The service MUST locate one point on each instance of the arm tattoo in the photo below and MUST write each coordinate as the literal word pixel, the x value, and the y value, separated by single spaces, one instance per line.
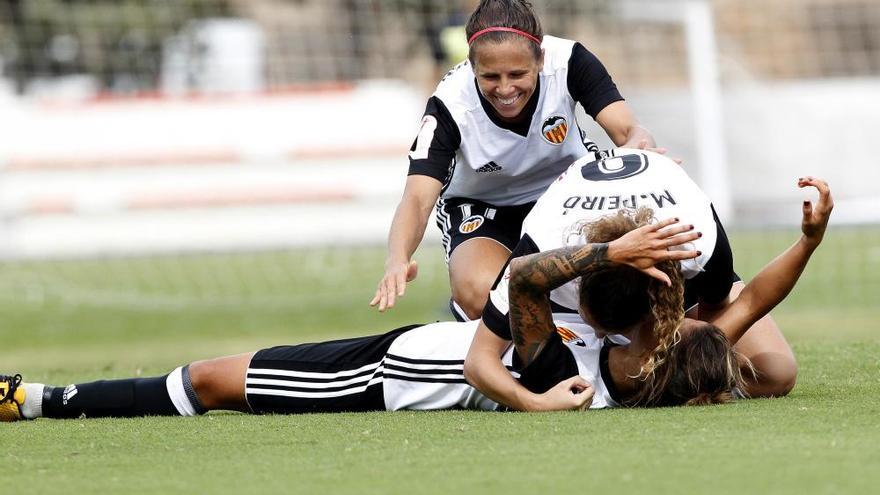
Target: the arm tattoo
pixel 531 280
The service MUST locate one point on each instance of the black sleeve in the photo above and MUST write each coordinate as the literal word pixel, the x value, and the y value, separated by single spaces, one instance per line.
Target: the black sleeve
pixel 713 284
pixel 496 316
pixel 444 142
pixel 589 82
pixel 496 321
pixel 553 364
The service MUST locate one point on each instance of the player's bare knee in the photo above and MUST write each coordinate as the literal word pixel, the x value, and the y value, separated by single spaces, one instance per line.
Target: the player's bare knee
pixel 775 376
pixel 782 379
pixel 471 297
pixel 471 309
pixel 204 376
pixel 773 386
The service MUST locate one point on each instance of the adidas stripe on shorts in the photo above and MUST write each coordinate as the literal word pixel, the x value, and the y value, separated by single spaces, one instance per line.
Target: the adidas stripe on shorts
pixel 415 367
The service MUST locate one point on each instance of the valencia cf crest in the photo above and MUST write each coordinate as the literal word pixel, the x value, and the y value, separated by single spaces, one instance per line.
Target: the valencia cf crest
pixel 470 224
pixel 555 129
pixel 570 337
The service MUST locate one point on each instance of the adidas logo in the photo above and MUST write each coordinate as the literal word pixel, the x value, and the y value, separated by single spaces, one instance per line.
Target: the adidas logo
pixel 488 168
pixel 69 392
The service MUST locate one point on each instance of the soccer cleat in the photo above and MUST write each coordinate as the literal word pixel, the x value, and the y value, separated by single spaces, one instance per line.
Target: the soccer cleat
pixel 11 398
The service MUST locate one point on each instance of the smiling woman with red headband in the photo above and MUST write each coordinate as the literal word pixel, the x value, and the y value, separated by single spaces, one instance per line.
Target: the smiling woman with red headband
pixel 498 130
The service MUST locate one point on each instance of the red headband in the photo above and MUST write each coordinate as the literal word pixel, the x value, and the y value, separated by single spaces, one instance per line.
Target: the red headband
pixel 503 29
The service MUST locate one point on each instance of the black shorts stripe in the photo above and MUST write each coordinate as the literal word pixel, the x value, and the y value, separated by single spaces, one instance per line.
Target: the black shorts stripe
pixel 294 388
pixel 404 378
pixel 310 379
pixel 424 371
pixel 426 361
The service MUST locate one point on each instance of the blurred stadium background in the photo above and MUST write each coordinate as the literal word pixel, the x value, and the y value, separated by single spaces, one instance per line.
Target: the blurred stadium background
pixel 242 157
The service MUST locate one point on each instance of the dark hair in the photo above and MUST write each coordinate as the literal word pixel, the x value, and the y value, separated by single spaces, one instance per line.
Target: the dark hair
pixel 700 369
pixel 616 297
pixel 517 14
pixel 638 296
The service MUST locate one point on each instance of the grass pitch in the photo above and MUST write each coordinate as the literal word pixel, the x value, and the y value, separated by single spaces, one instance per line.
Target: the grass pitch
pixel 78 321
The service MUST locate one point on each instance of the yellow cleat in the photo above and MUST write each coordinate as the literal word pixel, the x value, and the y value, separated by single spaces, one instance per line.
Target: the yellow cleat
pixel 11 398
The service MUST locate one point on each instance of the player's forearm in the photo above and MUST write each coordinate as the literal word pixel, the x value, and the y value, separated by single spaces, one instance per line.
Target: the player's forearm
pixel 407 229
pixel 542 272
pixel 485 372
pixel 778 278
pixel 621 125
pixel 531 280
pixel 767 289
pixel 635 135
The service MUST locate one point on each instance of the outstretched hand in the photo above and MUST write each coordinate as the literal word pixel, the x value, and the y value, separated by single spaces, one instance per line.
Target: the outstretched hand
pixel 815 219
pixel 648 245
pixel 393 284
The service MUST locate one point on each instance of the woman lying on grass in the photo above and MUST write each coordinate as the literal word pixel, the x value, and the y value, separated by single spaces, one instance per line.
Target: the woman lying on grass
pixel 623 301
pixel 592 186
pixel 420 367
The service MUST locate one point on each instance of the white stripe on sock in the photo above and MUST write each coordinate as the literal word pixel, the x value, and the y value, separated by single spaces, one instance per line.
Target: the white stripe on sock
pixel 174 385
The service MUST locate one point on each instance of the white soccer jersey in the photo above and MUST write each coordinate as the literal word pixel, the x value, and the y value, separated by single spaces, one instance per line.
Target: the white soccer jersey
pixel 600 184
pixel 422 369
pixel 590 355
pixel 591 189
pixel 417 367
pixel 499 165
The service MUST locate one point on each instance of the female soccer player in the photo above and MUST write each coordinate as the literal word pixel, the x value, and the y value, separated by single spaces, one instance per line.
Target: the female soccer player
pixel 624 302
pixel 606 181
pixel 420 367
pixel 417 367
pixel 498 130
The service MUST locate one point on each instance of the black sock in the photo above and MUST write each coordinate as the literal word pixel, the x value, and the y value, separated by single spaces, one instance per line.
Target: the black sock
pixel 110 398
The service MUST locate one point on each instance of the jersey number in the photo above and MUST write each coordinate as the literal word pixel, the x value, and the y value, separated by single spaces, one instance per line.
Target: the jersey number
pixel 615 167
pixel 424 139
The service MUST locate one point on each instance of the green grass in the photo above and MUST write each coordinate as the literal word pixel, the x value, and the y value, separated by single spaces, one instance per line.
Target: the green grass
pixel 78 321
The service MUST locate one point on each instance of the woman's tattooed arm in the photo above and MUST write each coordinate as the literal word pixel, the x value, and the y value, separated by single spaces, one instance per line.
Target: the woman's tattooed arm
pixel 533 277
pixel 531 280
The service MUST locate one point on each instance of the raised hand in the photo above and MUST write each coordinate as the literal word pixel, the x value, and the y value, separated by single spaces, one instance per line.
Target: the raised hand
pixel 646 246
pixel 815 219
pixel 770 286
